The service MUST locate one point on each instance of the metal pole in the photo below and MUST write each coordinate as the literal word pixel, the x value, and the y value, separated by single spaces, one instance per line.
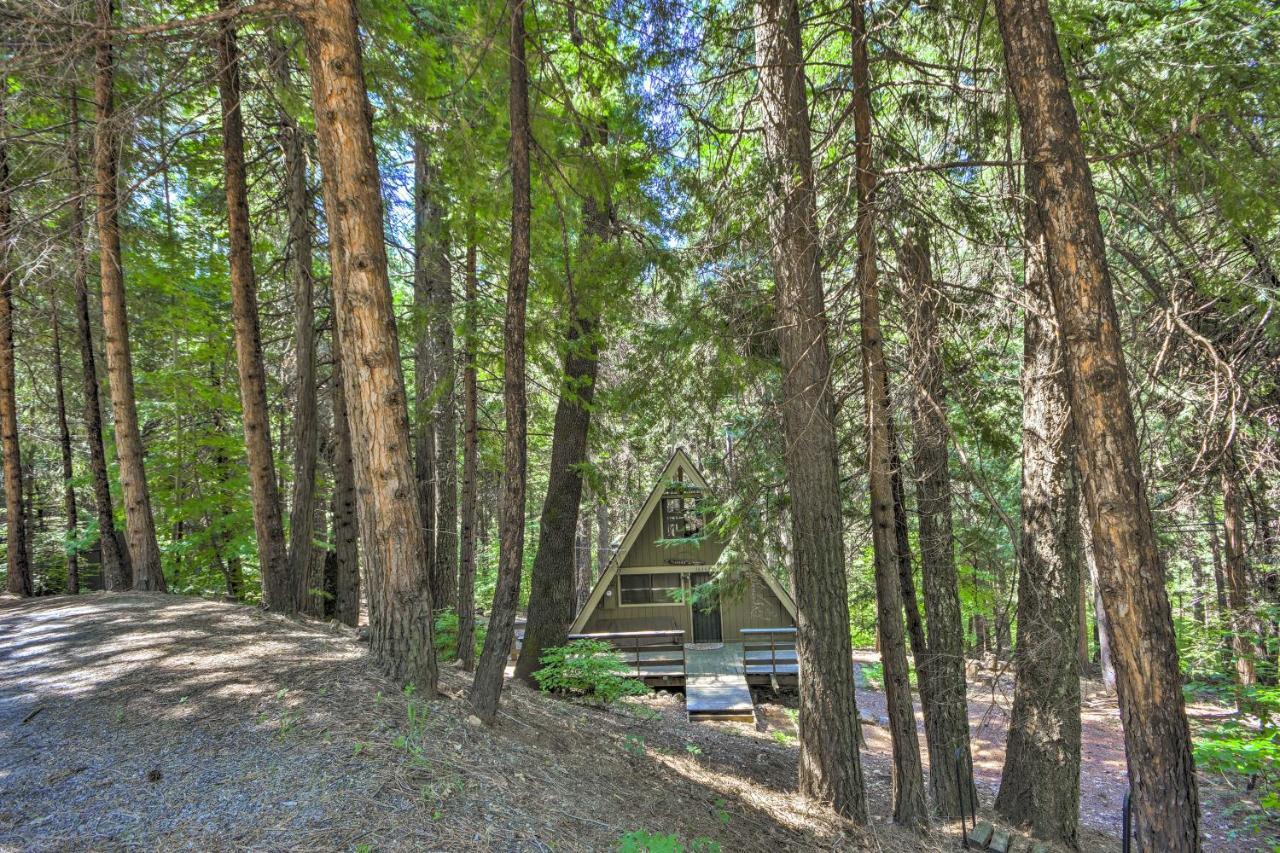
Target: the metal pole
pixel 1127 821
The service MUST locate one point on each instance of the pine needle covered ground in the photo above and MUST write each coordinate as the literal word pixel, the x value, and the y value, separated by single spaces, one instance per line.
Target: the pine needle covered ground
pixel 153 722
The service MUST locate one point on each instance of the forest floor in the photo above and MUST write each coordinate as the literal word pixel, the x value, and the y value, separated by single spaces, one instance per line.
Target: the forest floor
pixel 145 721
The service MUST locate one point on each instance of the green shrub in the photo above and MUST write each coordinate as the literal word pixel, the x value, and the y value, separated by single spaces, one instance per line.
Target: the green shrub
pixel 1250 753
pixel 589 669
pixel 446 635
pixel 642 841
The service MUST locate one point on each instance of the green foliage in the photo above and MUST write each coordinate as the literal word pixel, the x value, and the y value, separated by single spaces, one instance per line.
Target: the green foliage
pixel 643 841
pixel 446 634
pixel 1247 751
pixel 588 669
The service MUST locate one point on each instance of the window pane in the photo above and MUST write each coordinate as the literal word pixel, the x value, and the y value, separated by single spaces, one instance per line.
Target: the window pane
pixel 636 589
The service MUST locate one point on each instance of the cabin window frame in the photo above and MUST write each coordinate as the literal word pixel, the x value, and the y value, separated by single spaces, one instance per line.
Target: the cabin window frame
pixel 684 506
pixel 666 602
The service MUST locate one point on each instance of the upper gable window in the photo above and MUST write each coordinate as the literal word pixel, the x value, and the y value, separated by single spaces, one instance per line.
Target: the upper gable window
pixel 681 514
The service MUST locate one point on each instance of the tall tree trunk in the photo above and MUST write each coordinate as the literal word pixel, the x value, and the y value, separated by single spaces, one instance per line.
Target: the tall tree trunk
pixel 470 458
pixel 144 550
pixel 306 434
pixel 346 550
pixel 1243 627
pixel 19 578
pixel 430 267
pixel 444 568
pixel 1166 801
pixel 830 768
pixel 552 584
pixel 604 537
pixel 369 347
pixel 114 574
pixel 497 642
pixel 582 562
pixel 946 709
pixel 909 807
pixel 1040 786
pixel 279 592
pixel 64 443
pixel 1197 585
pixel 1106 665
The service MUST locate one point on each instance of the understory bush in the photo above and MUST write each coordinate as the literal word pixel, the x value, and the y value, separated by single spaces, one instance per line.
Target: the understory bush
pixel 642 841
pixel 588 669
pixel 1248 753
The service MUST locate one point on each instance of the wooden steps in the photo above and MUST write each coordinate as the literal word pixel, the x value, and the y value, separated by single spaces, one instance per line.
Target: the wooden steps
pixel 715 686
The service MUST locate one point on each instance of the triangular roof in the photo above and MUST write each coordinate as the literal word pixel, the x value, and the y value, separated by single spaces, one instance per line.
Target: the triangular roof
pixel 679 462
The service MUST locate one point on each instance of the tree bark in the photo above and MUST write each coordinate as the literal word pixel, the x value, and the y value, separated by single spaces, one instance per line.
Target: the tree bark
pixel 909 807
pixel 552 583
pixel 369 347
pixel 470 459
pixel 279 591
pixel 430 267
pixel 1166 803
pixel 64 444
pixel 1243 627
pixel 346 549
pixel 306 434
pixel 1040 785
pixel 115 577
pixel 604 537
pixel 19 579
pixel 497 642
pixel 946 709
pixel 144 550
pixel 830 767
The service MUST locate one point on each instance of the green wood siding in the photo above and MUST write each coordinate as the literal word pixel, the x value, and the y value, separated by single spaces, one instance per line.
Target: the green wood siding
pixel 755 606
pixel 646 551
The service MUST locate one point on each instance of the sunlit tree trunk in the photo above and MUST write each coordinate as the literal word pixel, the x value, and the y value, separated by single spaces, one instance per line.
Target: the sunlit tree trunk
pixel 279 591
pixel 431 269
pixel 830 768
pixel 1040 785
pixel 144 550
pixel 497 642
pixel 369 347
pixel 1166 803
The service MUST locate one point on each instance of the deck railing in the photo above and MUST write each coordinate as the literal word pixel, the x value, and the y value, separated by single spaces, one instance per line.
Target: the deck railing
pixel 779 639
pixel 655 642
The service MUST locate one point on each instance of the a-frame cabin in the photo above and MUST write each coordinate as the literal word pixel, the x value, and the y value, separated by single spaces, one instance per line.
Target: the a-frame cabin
pixel 663 578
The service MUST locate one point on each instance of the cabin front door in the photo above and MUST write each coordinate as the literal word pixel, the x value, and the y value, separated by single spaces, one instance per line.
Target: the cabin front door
pixel 706 613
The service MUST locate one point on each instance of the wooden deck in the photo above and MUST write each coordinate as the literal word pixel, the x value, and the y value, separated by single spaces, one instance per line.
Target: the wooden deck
pixel 716 684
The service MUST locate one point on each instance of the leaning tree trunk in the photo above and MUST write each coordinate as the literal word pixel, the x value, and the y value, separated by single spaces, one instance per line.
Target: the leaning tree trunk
pixel 909 807
pixel 306 433
pixel 144 550
pixel 64 444
pixel 497 642
pixel 470 459
pixel 1166 801
pixel 553 582
pixel 19 579
pixel 369 348
pixel 946 710
pixel 279 592
pixel 830 768
pixel 346 550
pixel 1040 786
pixel 114 574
